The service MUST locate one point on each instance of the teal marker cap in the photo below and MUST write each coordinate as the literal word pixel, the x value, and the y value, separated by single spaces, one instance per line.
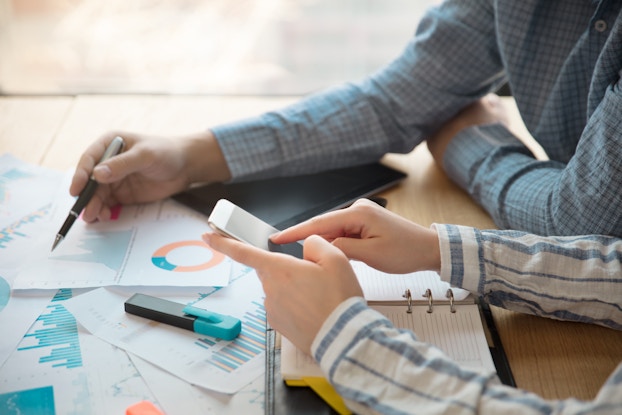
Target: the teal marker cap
pixel 214 324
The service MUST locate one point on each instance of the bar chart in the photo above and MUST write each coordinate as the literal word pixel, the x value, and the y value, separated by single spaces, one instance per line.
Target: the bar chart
pixel 56 332
pixel 249 344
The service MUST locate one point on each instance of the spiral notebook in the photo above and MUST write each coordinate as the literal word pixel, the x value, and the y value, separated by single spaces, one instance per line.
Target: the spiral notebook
pixel 447 317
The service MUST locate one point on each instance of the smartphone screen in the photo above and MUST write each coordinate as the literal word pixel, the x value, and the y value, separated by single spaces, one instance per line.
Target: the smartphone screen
pixel 235 222
pixel 294 249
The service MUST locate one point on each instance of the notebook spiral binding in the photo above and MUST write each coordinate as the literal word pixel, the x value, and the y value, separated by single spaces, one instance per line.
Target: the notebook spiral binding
pixel 428 294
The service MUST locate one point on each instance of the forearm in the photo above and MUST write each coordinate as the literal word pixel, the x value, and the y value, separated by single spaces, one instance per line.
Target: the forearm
pixel 566 278
pixel 204 160
pixel 391 111
pixel 580 197
pixel 335 128
pixel 379 369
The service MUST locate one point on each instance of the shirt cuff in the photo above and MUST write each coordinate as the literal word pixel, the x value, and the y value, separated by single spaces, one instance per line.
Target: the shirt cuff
pixel 471 145
pixel 483 160
pixel 249 147
pixel 461 257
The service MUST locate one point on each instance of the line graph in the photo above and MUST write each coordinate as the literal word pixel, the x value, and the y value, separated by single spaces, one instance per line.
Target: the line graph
pixel 9 177
pixel 108 249
pixel 8 233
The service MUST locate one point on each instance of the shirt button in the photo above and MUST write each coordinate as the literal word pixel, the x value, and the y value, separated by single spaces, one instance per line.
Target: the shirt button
pixel 600 26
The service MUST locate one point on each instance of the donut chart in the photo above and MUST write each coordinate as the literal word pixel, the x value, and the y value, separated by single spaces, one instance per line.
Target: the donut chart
pixel 159 257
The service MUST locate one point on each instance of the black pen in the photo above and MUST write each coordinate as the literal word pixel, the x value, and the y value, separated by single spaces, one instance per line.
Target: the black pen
pixel 114 148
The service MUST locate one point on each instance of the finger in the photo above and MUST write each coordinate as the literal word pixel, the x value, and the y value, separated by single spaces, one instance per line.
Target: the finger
pixel 88 161
pixel 78 181
pixel 99 206
pixel 343 222
pixel 318 250
pixel 120 166
pixel 316 225
pixel 240 252
pixel 334 262
pixel 94 210
pixel 85 166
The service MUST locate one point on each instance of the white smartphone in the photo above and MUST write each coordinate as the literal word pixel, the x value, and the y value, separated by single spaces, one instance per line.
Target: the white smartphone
pixel 234 222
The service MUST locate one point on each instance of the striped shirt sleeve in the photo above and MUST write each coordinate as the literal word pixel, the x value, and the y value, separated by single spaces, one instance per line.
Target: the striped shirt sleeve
pixel 576 278
pixel 378 368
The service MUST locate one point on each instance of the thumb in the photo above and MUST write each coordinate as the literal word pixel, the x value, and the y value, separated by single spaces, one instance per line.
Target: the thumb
pixel 318 249
pixel 102 173
pixel 118 167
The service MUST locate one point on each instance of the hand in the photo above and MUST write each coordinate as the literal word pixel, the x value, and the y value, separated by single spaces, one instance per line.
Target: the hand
pixel 488 110
pixel 148 169
pixel 374 235
pixel 300 294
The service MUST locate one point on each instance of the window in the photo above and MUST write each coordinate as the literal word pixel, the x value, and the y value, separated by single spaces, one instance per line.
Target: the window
pixel 271 47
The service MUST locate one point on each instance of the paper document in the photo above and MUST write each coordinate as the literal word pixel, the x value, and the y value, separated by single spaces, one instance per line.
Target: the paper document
pixel 380 286
pixel 177 397
pixel 157 244
pixel 26 194
pixel 223 366
pixel 59 368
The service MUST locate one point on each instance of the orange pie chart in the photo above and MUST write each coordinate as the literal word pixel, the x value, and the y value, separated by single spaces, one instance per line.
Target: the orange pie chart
pixel 159 257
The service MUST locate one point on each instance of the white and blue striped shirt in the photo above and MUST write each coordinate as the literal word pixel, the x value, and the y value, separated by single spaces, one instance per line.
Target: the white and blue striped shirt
pixel 377 368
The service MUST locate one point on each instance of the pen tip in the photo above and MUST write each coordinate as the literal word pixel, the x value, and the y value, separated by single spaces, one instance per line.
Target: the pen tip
pixel 56 241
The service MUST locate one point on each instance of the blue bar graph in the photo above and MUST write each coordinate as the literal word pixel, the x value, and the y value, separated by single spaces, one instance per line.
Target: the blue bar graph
pixel 250 343
pixel 58 332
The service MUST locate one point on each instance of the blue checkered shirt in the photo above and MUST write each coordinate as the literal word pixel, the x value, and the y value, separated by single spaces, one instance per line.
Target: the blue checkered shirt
pixel 562 61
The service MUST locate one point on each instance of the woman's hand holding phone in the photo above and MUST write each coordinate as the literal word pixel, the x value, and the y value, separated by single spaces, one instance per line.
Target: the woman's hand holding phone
pixel 376 236
pixel 300 294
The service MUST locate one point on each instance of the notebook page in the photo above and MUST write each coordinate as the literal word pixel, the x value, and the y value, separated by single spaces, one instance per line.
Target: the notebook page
pixel 460 335
pixel 381 286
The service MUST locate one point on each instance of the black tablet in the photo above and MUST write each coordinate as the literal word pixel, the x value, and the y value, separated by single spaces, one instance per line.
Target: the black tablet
pixel 285 201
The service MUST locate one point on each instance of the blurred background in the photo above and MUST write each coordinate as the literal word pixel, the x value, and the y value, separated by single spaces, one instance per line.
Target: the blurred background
pixel 230 47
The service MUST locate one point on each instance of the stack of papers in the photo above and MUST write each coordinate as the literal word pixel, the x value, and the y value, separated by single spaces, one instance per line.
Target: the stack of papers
pixel 68 346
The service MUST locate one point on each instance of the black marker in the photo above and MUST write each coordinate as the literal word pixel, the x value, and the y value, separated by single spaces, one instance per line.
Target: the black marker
pixel 186 317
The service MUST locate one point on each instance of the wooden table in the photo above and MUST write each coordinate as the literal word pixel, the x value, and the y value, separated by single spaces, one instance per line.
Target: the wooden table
pixel 551 358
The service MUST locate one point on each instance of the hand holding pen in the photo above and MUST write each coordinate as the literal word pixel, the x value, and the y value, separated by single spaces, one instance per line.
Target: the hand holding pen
pixel 149 169
pixel 114 148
